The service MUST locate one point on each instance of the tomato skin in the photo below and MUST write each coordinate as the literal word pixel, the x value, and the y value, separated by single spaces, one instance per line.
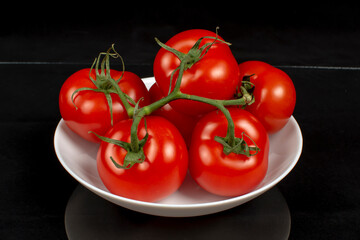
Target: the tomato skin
pixel 274 93
pixel 163 170
pixel 214 76
pixel 183 122
pixel 93 111
pixel 233 174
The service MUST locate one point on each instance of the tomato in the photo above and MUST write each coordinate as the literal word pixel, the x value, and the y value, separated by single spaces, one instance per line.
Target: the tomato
pixel 214 76
pixel 163 169
pixel 232 174
pixel 184 123
pixel 92 112
pixel 274 93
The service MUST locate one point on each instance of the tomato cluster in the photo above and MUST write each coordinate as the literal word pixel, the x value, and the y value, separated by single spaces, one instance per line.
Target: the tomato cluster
pixel 186 122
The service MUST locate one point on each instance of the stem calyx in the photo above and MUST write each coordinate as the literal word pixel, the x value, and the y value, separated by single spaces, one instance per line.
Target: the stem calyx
pixel 132 157
pixel 135 152
pixel 105 84
pixel 246 91
pixel 239 146
pixel 195 54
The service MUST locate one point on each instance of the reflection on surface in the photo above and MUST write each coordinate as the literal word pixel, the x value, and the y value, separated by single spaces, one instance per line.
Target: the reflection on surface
pixel 89 217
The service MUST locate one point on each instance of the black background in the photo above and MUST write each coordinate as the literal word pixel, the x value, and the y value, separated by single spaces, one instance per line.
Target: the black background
pixel 317 45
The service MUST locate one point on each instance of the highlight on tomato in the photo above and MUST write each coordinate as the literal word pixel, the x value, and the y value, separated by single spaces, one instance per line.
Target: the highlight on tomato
pixel 212 73
pixel 274 94
pixel 159 174
pixel 229 174
pixel 89 102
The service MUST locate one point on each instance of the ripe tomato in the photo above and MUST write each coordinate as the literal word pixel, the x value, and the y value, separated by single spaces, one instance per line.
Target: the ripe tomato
pixel 184 123
pixel 214 76
pixel 232 174
pixel 274 93
pixel 163 169
pixel 92 113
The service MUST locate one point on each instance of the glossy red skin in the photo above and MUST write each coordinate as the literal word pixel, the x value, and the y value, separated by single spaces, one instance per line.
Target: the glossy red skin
pixel 233 174
pixel 163 170
pixel 93 111
pixel 183 122
pixel 214 76
pixel 275 94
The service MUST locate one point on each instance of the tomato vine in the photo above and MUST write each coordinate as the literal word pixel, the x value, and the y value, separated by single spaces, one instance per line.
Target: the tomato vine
pixel 135 154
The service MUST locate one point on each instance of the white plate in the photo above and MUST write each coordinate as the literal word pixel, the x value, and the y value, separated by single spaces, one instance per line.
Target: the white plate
pixel 78 157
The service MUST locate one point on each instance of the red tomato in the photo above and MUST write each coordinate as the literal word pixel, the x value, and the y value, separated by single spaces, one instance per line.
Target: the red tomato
pixel 274 93
pixel 161 173
pixel 184 123
pixel 232 174
pixel 214 76
pixel 93 112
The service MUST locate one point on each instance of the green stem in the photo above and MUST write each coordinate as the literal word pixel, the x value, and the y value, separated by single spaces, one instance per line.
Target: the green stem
pixel 134 142
pixel 230 142
pixel 179 95
pixel 129 109
pixel 220 104
pixel 230 136
pixel 178 80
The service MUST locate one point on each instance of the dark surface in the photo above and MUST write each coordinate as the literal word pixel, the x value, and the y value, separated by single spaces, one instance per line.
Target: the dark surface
pixel 318 46
pixel 88 216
